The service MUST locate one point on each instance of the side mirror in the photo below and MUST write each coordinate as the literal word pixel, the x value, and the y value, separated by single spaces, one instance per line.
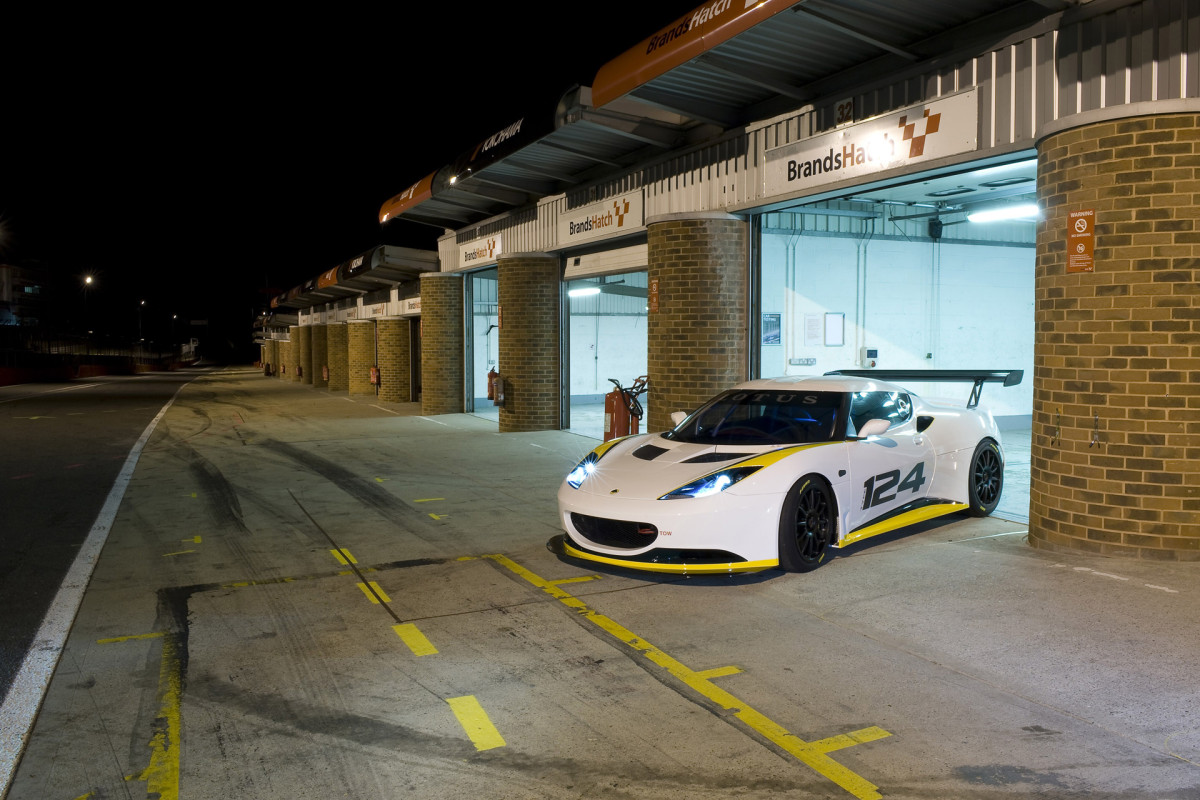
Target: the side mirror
pixel 678 417
pixel 874 427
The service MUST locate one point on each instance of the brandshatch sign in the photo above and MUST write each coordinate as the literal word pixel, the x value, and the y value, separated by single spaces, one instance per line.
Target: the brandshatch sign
pixel 921 133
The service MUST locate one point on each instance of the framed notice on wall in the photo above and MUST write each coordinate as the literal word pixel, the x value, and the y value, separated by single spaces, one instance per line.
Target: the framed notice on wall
pixel 835 328
pixel 771 329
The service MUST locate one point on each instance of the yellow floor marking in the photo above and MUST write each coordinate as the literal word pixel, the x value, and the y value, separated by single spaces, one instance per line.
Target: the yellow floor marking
pixel 380 480
pixel 374 593
pixel 475 722
pixel 129 638
pixel 580 579
pixel 439 516
pixel 416 641
pixel 161 776
pixel 344 557
pixel 193 540
pixel 178 553
pixel 811 753
pixel 428 499
pixel 719 672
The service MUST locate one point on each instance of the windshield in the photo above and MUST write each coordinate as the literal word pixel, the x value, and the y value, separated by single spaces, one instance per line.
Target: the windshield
pixel 764 418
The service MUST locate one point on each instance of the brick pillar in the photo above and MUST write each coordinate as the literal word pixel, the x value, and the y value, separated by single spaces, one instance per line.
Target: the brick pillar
pixel 337 340
pixel 320 357
pixel 361 355
pixel 395 368
pixel 1116 395
pixel 304 335
pixel 294 362
pixel 271 354
pixel 697 339
pixel 442 343
pixel 286 368
pixel 528 290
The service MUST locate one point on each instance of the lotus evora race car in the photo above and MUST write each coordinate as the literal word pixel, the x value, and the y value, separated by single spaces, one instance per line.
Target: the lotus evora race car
pixel 772 473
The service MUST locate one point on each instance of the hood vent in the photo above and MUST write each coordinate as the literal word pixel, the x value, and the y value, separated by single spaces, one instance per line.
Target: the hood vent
pixel 711 458
pixel 649 452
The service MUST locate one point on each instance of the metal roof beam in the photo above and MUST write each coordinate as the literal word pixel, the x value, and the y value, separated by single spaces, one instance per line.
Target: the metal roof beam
pixel 629 128
pixel 855 33
pixel 687 105
pixel 584 155
pixel 529 186
pixel 773 80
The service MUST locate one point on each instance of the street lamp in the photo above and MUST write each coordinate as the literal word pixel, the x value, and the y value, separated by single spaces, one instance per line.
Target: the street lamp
pixel 140 306
pixel 88 280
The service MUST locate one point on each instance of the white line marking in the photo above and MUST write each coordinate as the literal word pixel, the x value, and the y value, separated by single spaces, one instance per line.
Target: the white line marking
pixel 50 391
pixel 1161 588
pixel 388 410
pixel 33 679
pixel 427 419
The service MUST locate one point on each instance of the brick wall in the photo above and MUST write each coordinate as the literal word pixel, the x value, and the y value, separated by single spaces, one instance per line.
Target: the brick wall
pixel 528 293
pixel 286 367
pixel 320 351
pixel 696 342
pixel 271 354
pixel 395 369
pixel 361 356
pixel 294 362
pixel 1116 408
pixel 337 343
pixel 304 336
pixel 441 323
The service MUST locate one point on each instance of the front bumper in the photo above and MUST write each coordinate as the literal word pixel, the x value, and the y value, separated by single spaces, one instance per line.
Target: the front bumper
pixel 719 534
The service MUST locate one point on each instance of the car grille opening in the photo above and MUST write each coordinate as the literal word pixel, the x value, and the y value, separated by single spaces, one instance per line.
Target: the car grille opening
pixel 615 532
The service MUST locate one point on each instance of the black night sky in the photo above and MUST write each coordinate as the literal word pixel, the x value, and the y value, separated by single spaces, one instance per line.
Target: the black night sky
pixel 200 161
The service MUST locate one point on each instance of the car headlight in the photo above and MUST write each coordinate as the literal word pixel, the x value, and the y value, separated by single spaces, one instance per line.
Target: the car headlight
pixel 584 468
pixel 713 483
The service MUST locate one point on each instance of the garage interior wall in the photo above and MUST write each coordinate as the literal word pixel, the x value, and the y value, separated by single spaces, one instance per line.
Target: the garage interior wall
pixel 607 340
pixel 922 304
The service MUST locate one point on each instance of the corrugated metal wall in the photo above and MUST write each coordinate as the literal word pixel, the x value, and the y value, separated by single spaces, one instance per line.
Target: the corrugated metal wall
pixel 1115 64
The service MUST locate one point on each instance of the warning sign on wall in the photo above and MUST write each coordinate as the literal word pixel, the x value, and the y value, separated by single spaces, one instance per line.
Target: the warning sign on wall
pixel 1081 241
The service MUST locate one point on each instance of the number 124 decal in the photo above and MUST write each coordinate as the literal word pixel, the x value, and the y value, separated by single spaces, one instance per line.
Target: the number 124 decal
pixel 884 487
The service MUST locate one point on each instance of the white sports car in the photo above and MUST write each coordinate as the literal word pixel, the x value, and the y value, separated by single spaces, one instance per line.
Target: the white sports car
pixel 774 472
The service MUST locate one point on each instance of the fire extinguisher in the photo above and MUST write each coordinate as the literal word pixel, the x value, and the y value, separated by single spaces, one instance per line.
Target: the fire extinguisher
pixel 622 409
pixel 492 376
pixel 374 376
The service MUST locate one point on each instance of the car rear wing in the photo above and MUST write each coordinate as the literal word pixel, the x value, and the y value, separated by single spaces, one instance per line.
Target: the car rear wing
pixel 1008 377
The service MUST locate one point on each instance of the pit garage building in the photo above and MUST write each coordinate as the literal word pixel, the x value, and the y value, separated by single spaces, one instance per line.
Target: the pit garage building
pixel 798 186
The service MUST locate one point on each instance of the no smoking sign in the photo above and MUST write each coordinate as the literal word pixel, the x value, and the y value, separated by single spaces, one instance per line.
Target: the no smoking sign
pixel 1081 241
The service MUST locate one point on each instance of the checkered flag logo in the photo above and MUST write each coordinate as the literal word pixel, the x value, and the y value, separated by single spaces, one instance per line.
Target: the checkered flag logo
pixel 620 209
pixel 929 124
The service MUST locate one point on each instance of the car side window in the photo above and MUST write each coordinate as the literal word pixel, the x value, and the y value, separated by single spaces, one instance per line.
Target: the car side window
pixel 895 407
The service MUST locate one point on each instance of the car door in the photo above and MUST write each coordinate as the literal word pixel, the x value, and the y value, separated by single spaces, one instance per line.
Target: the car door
pixel 892 470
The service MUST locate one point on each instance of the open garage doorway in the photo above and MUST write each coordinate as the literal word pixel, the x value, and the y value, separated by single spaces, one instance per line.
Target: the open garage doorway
pixel 606 342
pixel 912 277
pixel 483 339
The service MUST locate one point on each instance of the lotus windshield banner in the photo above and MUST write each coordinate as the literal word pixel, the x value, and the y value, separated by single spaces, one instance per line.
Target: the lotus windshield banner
pixel 920 133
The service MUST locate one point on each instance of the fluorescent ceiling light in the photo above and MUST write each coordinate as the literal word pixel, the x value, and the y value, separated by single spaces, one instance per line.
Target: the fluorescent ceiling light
pixel 585 292
pixel 1022 211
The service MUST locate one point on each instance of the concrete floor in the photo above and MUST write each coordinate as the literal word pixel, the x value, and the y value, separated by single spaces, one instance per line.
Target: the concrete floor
pixel 307 595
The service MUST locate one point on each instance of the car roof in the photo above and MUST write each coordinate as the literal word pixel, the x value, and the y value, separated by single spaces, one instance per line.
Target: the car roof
pixel 820 383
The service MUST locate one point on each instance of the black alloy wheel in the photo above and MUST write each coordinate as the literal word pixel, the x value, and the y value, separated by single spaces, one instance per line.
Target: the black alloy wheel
pixel 985 481
pixel 806 525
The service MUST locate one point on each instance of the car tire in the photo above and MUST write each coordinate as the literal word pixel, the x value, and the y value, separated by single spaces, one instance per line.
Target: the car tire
pixel 806 524
pixel 985 479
